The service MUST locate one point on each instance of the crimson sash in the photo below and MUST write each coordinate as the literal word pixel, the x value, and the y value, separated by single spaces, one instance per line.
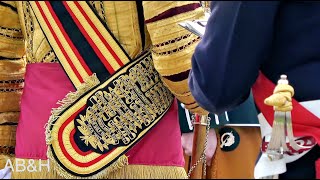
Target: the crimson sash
pixel 118 99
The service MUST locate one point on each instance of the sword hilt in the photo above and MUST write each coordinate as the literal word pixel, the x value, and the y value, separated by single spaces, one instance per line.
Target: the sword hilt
pixel 283 79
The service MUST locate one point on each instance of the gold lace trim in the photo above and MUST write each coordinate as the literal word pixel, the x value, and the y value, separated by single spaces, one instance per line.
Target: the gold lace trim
pixel 11 33
pixel 179 87
pixel 29 25
pixel 175 46
pixel 50 57
pixel 11 85
pixel 174 63
pixel 165 29
pixel 98 7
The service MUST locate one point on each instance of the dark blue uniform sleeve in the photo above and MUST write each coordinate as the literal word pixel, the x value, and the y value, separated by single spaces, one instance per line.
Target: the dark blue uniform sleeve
pixel 226 62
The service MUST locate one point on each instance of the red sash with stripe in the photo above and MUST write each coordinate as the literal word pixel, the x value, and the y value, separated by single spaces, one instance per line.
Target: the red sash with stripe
pixel 304 123
pixel 82 43
pixel 89 135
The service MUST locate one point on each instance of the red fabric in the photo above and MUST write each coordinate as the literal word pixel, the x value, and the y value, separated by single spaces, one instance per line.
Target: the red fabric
pixel 318 169
pixel 46 83
pixel 162 146
pixel 304 122
pixel 173 12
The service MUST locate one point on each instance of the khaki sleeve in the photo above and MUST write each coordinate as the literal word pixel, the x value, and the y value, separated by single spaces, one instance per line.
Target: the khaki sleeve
pixel 172 45
pixel 12 63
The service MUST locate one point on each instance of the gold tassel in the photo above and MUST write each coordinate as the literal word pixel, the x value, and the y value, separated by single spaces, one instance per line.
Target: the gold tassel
pixel 282 125
pixel 278 136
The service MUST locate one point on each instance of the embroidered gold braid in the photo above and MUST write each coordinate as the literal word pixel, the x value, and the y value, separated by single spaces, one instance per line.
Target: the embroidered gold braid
pixel 29 31
pixel 172 45
pixel 118 114
pixel 12 69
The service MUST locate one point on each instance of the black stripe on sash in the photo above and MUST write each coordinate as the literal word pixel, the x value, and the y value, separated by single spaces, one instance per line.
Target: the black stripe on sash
pixel 79 41
pixel 141 22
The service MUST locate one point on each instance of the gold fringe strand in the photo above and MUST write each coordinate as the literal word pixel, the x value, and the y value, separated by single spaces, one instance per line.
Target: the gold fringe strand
pixel 44 174
pixel 118 164
pixel 127 172
pixel 88 84
pixel 149 172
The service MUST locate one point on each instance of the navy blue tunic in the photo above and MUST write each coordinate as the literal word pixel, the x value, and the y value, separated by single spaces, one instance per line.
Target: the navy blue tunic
pixel 243 37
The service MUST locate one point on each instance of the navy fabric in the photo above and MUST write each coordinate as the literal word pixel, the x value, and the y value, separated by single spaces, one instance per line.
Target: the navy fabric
pixel 79 41
pixel 243 37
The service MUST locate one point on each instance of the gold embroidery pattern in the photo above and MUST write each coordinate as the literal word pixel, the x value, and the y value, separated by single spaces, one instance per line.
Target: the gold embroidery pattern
pixel 102 14
pixel 99 9
pixel 116 115
pixel 50 57
pixel 175 45
pixel 11 85
pixel 29 24
pixel 11 33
